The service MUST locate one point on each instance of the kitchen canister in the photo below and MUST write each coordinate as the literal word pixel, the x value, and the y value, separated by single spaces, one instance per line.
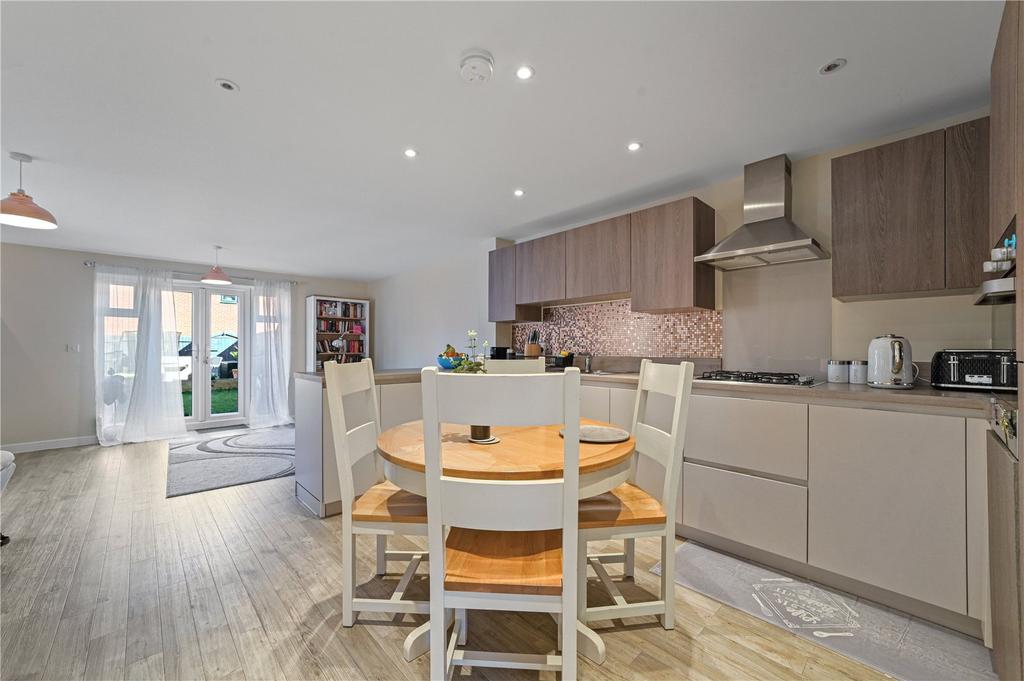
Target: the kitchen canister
pixel 839 371
pixel 859 371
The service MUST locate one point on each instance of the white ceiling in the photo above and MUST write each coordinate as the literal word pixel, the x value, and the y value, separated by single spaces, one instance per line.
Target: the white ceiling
pixel 302 170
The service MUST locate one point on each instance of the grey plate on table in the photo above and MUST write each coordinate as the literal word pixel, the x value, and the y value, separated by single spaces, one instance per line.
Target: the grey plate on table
pixel 600 435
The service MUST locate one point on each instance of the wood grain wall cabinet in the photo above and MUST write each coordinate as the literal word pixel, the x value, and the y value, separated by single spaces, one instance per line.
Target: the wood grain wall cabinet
pixel 1004 563
pixel 1004 123
pixel 887 501
pixel 664 241
pixel 1018 178
pixel 967 203
pixel 501 290
pixel 888 215
pixel 540 270
pixel 597 259
pixel 501 284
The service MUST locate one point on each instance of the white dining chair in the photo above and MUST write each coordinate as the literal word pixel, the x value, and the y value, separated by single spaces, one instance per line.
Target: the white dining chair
pixel 511 544
pixel 514 366
pixel 371 504
pixel 629 512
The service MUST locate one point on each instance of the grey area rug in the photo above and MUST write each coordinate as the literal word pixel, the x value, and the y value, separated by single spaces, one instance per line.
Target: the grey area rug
pixel 224 460
pixel 892 642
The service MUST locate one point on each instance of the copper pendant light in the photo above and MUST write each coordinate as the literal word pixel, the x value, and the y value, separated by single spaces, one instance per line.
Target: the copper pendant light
pixel 19 210
pixel 216 275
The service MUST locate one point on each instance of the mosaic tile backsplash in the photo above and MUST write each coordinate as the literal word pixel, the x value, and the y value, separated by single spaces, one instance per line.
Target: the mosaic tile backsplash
pixel 613 329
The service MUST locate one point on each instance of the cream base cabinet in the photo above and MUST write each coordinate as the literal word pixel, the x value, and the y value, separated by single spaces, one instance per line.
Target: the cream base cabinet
pixel 400 403
pixel 620 407
pixel 317 484
pixel 766 514
pixel 755 436
pixel 887 501
pixel 595 402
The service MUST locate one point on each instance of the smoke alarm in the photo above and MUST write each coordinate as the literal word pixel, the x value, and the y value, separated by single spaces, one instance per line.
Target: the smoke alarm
pixel 476 66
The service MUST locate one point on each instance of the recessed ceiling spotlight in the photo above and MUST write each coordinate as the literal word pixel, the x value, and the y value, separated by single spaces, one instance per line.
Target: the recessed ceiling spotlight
pixel 524 72
pixel 410 153
pixel 227 85
pixel 518 192
pixel 634 146
pixel 832 66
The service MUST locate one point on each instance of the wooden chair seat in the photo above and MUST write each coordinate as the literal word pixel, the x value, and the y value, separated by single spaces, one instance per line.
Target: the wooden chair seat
pixel 625 505
pixel 490 561
pixel 387 503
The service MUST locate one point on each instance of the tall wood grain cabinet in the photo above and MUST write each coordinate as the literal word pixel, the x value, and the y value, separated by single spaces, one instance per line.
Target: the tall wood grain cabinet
pixel 1004 113
pixel 910 217
pixel 501 289
pixel 540 270
pixel 967 203
pixel 664 241
pixel 597 260
pixel 501 285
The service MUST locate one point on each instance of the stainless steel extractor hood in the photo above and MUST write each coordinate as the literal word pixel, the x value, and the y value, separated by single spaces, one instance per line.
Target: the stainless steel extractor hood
pixel 997 292
pixel 768 235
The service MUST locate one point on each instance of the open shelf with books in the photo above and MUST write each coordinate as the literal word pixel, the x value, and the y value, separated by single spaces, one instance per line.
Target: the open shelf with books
pixel 336 329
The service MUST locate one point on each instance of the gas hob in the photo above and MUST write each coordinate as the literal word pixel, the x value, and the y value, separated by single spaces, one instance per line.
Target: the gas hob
pixel 763 377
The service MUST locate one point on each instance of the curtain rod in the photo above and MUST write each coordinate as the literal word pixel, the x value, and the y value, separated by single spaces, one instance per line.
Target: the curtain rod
pixel 92 264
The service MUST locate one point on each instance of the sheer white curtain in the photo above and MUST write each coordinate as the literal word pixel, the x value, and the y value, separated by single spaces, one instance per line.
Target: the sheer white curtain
pixel 271 353
pixel 138 392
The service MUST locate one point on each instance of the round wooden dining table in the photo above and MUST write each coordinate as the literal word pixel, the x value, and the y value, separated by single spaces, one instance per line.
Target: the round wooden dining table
pixel 521 453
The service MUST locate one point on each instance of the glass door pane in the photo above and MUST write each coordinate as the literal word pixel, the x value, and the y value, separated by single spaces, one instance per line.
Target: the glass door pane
pixel 225 326
pixel 184 321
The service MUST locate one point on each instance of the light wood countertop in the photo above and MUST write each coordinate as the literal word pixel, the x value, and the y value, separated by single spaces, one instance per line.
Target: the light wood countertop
pixel 381 376
pixel 922 398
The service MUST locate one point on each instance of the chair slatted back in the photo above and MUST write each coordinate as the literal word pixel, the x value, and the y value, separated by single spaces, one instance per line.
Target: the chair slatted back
pixel 515 366
pixel 500 399
pixel 511 400
pixel 352 391
pixel 664 448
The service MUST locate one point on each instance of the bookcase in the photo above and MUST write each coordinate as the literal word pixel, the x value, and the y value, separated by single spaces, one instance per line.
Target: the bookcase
pixel 336 329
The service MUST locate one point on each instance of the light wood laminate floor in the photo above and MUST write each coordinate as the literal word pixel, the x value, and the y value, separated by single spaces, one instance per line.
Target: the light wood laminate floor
pixel 106 579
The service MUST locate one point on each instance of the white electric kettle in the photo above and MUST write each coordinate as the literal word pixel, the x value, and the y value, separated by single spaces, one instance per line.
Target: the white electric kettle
pixel 890 363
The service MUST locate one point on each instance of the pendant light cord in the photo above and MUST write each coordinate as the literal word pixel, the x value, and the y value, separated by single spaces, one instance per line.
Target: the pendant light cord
pixel 21 184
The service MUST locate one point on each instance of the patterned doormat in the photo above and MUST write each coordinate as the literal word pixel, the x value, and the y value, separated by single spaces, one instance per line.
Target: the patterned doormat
pixel 888 640
pixel 224 460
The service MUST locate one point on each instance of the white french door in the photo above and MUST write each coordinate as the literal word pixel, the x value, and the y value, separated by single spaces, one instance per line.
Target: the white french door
pixel 213 353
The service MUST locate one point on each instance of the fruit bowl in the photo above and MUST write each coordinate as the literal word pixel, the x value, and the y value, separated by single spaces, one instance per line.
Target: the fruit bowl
pixel 448 363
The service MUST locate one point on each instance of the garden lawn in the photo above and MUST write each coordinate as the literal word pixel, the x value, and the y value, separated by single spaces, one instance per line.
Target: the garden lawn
pixel 224 402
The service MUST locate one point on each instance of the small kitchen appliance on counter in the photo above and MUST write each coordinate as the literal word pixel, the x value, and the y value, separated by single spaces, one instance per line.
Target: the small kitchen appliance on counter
pixel 891 363
pixel 975 370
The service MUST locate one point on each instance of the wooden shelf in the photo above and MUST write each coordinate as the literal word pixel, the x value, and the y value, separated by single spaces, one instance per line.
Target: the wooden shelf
pixel 347 319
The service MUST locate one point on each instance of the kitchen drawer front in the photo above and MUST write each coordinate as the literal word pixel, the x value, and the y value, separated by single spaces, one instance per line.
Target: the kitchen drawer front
pixel 765 514
pixel 755 435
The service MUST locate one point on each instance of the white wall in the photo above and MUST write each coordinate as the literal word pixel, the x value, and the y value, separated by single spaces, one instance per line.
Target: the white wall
pixel 47 393
pixel 416 313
